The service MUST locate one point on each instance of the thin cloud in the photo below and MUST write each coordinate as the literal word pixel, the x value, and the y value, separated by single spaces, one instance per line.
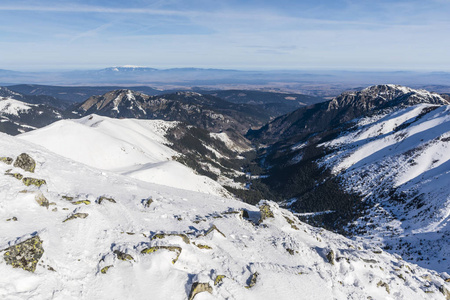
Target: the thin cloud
pixel 92 32
pixel 268 17
pixel 96 9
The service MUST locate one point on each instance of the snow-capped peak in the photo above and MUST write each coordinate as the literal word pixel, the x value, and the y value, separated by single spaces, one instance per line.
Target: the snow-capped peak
pixel 396 90
pixel 385 95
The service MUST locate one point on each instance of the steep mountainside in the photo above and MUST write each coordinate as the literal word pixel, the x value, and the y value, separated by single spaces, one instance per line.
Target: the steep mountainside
pixel 340 110
pixel 17 116
pixel 399 163
pixel 381 176
pixel 69 231
pixel 34 99
pixel 274 102
pixel 203 111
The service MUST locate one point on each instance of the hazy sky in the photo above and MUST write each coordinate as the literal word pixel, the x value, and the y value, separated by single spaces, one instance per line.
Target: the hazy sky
pixel 240 34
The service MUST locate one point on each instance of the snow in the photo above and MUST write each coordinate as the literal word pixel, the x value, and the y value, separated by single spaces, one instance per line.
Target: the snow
pixel 403 155
pixel 10 106
pixel 78 249
pixel 136 148
pixel 132 66
pixel 222 136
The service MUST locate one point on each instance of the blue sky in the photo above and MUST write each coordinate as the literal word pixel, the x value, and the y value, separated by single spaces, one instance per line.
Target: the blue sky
pixel 246 34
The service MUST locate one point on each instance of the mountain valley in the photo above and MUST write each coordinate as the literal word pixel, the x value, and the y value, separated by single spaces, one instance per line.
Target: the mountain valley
pixel 239 175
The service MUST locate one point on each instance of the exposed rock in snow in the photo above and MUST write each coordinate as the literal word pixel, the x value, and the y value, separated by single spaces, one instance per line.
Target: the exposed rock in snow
pixel 111 253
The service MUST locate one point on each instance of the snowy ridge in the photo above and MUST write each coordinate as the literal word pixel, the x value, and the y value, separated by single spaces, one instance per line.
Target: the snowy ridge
pixel 377 95
pixel 136 148
pixel 11 106
pixel 158 242
pixel 400 161
pixel 18 116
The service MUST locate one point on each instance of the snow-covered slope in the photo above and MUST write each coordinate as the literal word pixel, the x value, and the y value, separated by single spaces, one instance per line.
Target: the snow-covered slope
pixel 136 148
pixel 9 106
pixel 18 116
pixel 94 234
pixel 400 161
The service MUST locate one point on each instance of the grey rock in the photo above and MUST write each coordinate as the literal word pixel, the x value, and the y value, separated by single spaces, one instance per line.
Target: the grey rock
pixel 25 162
pixel 25 255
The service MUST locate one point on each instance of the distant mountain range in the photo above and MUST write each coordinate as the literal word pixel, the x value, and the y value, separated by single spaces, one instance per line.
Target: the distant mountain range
pixel 76 94
pixel 312 82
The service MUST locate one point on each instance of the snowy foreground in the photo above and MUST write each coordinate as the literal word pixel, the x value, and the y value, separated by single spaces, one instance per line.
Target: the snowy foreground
pixel 148 241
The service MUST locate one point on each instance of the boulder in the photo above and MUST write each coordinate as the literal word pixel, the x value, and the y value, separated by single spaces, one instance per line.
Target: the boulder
pixel 25 162
pixel 331 256
pixel 102 198
pixel 105 269
pixel 77 216
pixel 123 256
pixel 25 255
pixel 252 280
pixel 41 200
pixel 33 181
pixel 6 160
pixel 219 279
pixel 266 212
pixel 199 287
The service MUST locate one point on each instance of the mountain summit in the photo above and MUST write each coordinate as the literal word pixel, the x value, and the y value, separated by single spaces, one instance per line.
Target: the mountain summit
pixel 204 111
pixel 386 95
pixel 341 109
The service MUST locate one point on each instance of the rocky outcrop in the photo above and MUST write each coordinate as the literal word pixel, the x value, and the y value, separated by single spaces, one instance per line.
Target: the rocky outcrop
pixel 123 256
pixel 6 160
pixel 104 270
pixel 25 162
pixel 15 175
pixel 199 287
pixel 25 255
pixel 331 257
pixel 105 198
pixel 303 122
pixel 33 181
pixel 252 280
pixel 77 216
pixel 378 95
pixel 385 285
pixel 265 211
pixel 445 292
pixel 219 279
pixel 175 249
pixel 211 229
pixel 41 200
